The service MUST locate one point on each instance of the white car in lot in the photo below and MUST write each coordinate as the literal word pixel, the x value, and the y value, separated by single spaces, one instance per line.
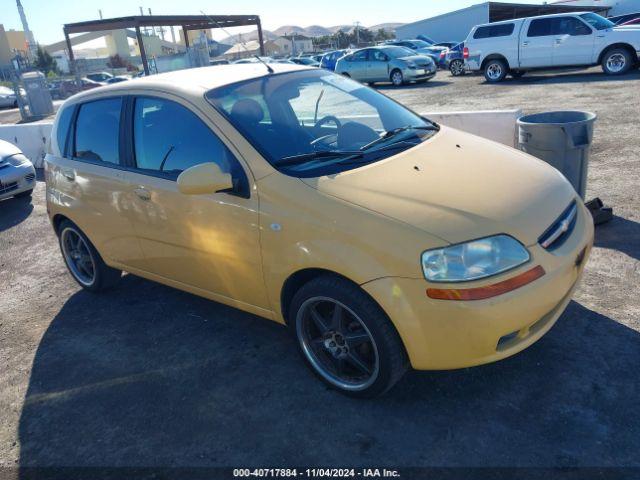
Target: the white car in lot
pixel 562 40
pixel 17 175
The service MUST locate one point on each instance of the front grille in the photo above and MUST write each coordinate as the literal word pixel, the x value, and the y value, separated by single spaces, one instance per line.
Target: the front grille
pixel 29 177
pixel 8 187
pixel 561 229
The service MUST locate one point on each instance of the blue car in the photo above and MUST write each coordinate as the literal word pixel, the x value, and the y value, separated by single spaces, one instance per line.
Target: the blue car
pixel 454 60
pixel 329 59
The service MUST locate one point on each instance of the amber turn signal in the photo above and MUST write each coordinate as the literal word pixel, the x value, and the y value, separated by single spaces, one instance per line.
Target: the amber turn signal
pixel 480 293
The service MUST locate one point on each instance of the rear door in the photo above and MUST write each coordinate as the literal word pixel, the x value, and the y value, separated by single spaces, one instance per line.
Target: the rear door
pixel 573 42
pixel 210 242
pixel 87 181
pixel 536 43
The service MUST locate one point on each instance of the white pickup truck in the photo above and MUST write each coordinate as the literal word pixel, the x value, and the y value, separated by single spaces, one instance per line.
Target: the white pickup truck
pixel 563 40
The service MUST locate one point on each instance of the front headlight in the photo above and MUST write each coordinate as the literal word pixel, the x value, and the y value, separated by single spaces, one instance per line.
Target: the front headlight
pixel 473 260
pixel 17 160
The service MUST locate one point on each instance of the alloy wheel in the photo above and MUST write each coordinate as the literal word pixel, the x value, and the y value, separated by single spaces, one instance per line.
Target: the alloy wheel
pixel 616 62
pixel 396 78
pixel 494 71
pixel 78 256
pixel 337 343
pixel 457 68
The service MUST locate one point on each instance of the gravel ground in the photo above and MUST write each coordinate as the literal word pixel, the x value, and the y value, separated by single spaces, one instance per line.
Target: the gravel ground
pixel 150 376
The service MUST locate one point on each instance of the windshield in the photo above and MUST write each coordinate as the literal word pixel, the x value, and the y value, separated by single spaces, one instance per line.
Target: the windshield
pixel 596 21
pixel 311 123
pixel 398 52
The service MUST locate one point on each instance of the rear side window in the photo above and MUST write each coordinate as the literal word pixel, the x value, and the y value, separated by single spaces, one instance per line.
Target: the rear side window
pixel 169 138
pixel 490 31
pixel 97 131
pixel 541 27
pixel 64 122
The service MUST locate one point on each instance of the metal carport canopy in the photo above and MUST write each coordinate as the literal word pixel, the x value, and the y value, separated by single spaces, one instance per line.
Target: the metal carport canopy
pixel 499 11
pixel 187 22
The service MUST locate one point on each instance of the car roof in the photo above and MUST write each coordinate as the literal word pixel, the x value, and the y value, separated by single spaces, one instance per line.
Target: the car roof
pixel 193 81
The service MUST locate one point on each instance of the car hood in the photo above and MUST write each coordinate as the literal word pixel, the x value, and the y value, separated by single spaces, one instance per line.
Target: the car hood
pixel 8 149
pixel 458 187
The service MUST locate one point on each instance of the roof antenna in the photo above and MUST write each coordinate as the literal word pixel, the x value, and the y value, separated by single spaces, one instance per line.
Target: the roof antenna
pixel 269 69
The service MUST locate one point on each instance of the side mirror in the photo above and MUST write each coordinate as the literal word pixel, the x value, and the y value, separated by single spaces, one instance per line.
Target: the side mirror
pixel 202 179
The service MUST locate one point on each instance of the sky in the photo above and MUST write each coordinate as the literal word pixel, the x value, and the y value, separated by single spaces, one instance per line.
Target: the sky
pixel 46 17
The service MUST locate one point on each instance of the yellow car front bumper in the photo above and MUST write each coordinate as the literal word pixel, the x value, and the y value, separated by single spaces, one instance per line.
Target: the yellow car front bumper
pixel 448 334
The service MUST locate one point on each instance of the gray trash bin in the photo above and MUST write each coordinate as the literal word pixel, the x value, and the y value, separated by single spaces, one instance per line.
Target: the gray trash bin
pixel 562 139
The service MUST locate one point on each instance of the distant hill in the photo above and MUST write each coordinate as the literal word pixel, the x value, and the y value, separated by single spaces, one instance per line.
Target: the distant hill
pixel 310 31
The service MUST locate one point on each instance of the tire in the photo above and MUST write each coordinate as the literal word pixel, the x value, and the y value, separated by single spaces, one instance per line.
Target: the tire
pixel 358 351
pixel 26 193
pixel 396 78
pixel 95 277
pixel 456 67
pixel 517 73
pixel 495 70
pixel 617 61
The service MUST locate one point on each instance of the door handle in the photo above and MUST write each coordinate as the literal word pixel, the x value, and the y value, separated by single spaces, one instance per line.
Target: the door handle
pixel 143 194
pixel 69 174
pixel 558 41
pixel 524 44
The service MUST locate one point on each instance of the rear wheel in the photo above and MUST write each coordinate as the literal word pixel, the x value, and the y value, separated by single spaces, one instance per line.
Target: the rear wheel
pixel 456 67
pixel 616 61
pixel 396 78
pixel 345 338
pixel 495 70
pixel 83 261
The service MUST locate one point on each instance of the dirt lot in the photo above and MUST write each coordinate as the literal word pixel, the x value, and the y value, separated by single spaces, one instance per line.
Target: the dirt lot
pixel 149 376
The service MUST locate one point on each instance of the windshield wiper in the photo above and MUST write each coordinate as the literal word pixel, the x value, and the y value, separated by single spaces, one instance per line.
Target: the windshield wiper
pixel 396 131
pixel 305 157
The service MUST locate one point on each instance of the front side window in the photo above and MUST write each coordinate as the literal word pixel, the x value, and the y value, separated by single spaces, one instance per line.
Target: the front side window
pixel 570 26
pixel 596 21
pixel 97 131
pixel 378 56
pixel 321 123
pixel 168 138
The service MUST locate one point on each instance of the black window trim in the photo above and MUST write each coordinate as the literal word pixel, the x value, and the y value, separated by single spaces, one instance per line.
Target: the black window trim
pixel 70 144
pixel 241 190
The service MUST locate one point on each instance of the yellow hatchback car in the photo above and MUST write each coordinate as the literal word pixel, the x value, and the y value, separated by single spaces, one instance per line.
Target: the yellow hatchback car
pixel 382 239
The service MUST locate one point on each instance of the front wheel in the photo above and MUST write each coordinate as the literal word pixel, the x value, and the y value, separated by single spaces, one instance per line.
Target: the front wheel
pixel 396 78
pixel 345 337
pixel 456 68
pixel 495 70
pixel 83 261
pixel 616 61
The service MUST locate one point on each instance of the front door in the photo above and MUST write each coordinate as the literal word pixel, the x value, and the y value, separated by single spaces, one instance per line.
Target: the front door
pixel 536 44
pixel 211 242
pixel 378 66
pixel 573 42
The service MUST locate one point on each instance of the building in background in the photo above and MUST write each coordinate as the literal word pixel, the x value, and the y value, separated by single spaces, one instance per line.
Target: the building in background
pixel 618 7
pixel 289 45
pixel 455 26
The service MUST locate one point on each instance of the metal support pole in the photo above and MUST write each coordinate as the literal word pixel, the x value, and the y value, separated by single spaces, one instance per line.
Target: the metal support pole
pixel 143 54
pixel 185 33
pixel 260 39
pixel 72 61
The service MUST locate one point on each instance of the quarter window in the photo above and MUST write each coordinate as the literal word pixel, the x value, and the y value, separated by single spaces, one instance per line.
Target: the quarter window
pixel 168 138
pixel 97 131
